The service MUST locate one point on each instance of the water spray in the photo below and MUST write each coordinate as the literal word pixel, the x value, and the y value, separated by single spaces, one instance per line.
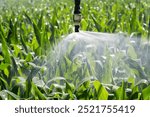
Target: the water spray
pixel 77 15
pixel 109 58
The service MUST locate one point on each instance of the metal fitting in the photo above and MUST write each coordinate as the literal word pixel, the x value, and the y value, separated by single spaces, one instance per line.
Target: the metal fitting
pixel 77 19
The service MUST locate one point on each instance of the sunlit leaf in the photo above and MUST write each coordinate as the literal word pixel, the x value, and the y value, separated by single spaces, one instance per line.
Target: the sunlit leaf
pixel 146 93
pixel 102 93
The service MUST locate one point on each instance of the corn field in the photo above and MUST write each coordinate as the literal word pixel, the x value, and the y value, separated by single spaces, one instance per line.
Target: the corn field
pixel 30 30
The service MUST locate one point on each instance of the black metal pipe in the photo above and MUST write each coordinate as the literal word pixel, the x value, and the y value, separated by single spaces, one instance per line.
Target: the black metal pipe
pixel 77 7
pixel 77 16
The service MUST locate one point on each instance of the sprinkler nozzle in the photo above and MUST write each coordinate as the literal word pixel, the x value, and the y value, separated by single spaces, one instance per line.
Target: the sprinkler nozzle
pixel 77 20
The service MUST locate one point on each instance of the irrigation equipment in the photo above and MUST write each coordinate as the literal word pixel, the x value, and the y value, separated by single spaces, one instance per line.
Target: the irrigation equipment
pixel 77 15
pixel 109 58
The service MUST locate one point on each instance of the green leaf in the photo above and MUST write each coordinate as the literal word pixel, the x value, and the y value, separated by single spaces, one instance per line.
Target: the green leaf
pixel 69 87
pixel 56 79
pixel 5 82
pixel 29 57
pixel 40 21
pixel 5 50
pixel 85 81
pixel 3 95
pixel 142 84
pixel 135 93
pixel 136 68
pixel 6 72
pixel 83 86
pixel 84 24
pixel 97 25
pixel 11 95
pixel 17 49
pixel 1 58
pixel 121 93
pixel 101 92
pixel 12 34
pixel 146 93
pixel 131 81
pixel 32 74
pixel 3 66
pixel 131 52
pixel 37 93
pixel 83 92
pixel 37 33
pixel 23 43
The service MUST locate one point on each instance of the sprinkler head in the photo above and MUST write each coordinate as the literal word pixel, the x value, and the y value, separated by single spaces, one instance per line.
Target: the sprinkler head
pixel 77 20
pixel 77 15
